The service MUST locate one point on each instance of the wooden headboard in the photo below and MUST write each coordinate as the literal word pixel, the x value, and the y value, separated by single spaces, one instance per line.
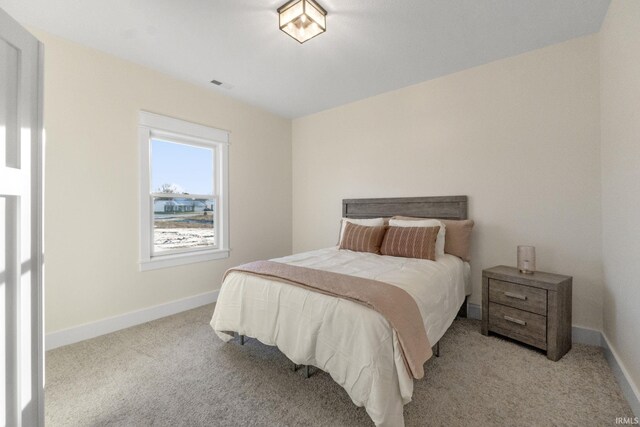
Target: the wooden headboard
pixel 442 207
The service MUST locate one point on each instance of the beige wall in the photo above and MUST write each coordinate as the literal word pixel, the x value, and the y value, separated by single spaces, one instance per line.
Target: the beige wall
pixel 519 136
pixel 620 97
pixel 91 110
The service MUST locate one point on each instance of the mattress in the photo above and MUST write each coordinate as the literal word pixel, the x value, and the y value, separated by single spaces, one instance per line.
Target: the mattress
pixel 353 343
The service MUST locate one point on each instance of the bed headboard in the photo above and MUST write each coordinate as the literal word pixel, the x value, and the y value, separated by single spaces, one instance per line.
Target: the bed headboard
pixel 441 207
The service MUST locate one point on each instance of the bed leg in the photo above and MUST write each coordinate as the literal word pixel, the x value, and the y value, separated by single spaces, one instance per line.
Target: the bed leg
pixel 306 371
pixel 241 339
pixel 437 352
pixel 295 367
pixel 463 309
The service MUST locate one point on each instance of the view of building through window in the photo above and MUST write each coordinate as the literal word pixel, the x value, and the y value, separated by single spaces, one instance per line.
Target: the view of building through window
pixel 184 206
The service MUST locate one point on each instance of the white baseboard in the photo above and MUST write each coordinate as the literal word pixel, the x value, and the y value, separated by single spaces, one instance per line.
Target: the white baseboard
pixel 593 337
pixel 588 336
pixel 123 321
pixel 474 311
pixel 630 390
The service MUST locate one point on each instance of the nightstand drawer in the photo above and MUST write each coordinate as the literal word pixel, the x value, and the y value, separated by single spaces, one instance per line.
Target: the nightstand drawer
pixel 522 297
pixel 518 324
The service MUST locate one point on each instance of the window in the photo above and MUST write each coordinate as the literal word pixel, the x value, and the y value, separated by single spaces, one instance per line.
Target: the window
pixel 183 192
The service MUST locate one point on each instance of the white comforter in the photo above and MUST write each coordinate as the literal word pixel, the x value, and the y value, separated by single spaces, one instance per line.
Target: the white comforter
pixel 353 343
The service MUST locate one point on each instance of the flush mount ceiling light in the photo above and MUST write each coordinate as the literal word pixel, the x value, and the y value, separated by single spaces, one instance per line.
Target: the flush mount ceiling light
pixel 302 19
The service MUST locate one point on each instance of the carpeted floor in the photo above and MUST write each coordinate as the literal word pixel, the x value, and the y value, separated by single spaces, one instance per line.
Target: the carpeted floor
pixel 176 372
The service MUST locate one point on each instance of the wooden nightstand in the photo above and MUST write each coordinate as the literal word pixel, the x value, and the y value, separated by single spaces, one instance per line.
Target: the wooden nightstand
pixel 532 308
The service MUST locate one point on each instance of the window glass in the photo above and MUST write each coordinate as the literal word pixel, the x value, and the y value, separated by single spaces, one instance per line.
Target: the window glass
pixel 181 223
pixel 180 168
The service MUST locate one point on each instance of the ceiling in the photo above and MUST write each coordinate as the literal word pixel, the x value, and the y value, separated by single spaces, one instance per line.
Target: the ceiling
pixel 370 47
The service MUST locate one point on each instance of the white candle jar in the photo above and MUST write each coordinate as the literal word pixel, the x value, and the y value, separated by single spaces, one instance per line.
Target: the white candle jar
pixel 527 259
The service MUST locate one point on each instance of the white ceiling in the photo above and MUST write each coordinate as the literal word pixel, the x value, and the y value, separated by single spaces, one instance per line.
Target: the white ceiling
pixel 370 47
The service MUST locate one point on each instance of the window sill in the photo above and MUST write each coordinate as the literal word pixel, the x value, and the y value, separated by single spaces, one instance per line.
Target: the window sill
pixel 173 260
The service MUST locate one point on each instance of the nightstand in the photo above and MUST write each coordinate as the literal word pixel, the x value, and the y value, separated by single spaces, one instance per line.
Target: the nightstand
pixel 531 308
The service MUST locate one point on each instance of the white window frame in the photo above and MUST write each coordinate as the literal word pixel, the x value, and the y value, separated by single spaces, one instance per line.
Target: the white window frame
pixel 156 126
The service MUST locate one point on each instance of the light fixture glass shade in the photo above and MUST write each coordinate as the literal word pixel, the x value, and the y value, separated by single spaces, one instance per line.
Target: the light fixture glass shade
pixel 302 19
pixel 527 259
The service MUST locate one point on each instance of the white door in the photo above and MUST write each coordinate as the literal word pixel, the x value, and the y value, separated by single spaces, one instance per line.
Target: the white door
pixel 21 261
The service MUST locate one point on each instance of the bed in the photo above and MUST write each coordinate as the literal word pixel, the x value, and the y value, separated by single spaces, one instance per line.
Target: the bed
pixel 354 344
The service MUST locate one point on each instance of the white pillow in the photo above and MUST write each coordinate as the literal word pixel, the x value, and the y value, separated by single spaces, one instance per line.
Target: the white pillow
pixel 368 222
pixel 424 223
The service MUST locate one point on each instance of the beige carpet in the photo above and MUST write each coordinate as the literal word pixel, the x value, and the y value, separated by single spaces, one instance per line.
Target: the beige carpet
pixel 176 372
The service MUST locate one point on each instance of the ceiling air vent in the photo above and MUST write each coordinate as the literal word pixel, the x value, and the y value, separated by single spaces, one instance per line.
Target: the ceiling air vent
pixel 221 84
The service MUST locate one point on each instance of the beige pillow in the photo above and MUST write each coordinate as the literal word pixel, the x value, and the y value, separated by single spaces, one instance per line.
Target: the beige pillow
pixel 361 238
pixel 410 242
pixel 458 238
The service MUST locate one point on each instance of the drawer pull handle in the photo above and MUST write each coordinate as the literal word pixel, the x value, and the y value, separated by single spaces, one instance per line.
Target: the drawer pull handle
pixel 514 320
pixel 517 296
